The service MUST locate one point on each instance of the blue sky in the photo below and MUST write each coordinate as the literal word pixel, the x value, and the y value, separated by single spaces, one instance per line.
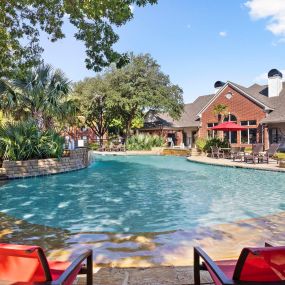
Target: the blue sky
pixel 195 42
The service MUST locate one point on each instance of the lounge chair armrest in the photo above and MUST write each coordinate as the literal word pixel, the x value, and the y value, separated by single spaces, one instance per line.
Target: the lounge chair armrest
pixel 87 255
pixel 198 252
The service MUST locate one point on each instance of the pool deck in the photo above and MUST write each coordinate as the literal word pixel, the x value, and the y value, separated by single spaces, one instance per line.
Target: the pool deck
pixel 163 275
pixel 271 166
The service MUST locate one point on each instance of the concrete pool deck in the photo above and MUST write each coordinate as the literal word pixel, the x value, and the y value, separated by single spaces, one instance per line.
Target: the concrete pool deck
pixel 163 275
pixel 271 166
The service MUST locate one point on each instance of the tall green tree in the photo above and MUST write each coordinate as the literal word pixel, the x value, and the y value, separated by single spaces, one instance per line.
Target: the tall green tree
pixel 42 95
pixel 96 104
pixel 21 22
pixel 220 110
pixel 140 86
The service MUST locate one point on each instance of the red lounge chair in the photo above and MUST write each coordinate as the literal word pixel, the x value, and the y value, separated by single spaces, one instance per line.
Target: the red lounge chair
pixel 28 264
pixel 265 265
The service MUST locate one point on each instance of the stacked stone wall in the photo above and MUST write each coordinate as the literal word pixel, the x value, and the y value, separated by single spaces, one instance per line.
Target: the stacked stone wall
pixel 77 159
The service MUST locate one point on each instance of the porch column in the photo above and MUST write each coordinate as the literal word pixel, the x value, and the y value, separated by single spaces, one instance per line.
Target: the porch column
pixel 266 137
pixel 179 137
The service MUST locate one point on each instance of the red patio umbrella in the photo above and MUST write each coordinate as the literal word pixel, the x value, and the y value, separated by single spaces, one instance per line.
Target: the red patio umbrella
pixel 228 127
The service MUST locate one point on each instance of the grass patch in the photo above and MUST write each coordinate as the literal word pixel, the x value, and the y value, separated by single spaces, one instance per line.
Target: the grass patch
pixel 280 155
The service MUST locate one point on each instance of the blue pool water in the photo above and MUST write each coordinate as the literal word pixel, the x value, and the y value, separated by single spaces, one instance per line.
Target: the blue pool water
pixel 144 194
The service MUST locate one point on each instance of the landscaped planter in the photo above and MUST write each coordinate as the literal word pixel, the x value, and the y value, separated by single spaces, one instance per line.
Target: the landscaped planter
pixel 77 159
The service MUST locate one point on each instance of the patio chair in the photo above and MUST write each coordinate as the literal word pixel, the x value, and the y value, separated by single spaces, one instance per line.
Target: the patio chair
pixel 109 147
pixel 269 153
pixel 255 266
pixel 25 263
pixel 118 147
pixel 255 154
pixel 238 153
pixel 217 152
pixel 102 148
pixel 121 147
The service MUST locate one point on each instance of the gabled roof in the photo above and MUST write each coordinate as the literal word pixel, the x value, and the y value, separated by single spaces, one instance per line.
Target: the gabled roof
pixel 252 93
pixel 278 114
pixel 187 119
pixel 257 93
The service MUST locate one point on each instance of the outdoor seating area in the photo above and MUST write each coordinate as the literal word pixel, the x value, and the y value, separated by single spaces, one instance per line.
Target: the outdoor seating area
pixel 112 147
pixel 256 265
pixel 255 155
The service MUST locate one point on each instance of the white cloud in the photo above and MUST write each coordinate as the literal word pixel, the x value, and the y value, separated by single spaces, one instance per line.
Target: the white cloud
pixel 132 7
pixel 223 34
pixel 278 42
pixel 273 10
pixel 262 78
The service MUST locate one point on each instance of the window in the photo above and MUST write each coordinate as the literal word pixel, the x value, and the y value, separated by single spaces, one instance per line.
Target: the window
pixel 210 125
pixel 252 123
pixel 275 136
pixel 231 137
pixel 230 118
pixel 249 136
pixel 229 95
pixel 212 133
pixel 248 123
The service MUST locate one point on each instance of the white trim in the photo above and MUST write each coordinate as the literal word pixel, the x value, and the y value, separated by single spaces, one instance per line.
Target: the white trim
pixel 228 83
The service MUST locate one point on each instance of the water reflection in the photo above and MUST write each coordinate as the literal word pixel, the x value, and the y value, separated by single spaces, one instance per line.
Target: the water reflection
pixel 146 249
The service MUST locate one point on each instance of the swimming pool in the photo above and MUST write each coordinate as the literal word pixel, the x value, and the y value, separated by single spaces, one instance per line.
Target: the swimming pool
pixel 132 194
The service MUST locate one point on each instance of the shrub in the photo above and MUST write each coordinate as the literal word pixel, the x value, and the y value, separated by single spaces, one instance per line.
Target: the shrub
pixel 94 146
pixel 24 140
pixel 144 142
pixel 201 143
pixel 215 142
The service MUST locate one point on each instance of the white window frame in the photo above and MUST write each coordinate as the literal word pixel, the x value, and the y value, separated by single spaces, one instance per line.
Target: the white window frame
pixel 213 131
pixel 230 137
pixel 248 129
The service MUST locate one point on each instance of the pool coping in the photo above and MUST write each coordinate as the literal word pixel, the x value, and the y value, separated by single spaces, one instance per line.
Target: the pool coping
pixel 235 164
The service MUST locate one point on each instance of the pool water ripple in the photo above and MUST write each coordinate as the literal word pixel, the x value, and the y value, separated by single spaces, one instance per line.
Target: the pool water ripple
pixel 132 194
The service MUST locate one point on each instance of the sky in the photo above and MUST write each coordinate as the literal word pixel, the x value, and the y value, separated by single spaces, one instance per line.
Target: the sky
pixel 195 42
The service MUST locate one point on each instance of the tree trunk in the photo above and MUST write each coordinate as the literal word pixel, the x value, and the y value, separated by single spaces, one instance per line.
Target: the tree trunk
pixel 128 128
pixel 101 141
pixel 38 117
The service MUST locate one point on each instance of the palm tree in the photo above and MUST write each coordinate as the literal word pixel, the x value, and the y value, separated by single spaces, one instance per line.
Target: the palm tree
pixel 220 110
pixel 42 95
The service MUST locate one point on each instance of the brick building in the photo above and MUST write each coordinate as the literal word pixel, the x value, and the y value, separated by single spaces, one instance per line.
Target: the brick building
pixel 259 108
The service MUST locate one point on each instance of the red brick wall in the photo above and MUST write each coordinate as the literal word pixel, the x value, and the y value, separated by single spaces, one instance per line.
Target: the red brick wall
pixel 77 133
pixel 239 105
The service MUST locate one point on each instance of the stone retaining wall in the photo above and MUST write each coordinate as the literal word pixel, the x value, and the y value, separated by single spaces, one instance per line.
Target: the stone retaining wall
pixel 176 152
pixel 78 159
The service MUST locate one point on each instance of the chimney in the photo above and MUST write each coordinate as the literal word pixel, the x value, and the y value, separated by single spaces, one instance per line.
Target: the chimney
pixel 218 85
pixel 274 82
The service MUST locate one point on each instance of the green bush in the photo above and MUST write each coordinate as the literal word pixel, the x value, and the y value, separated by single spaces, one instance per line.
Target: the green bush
pixel 215 142
pixel 201 143
pixel 24 140
pixel 94 146
pixel 144 142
